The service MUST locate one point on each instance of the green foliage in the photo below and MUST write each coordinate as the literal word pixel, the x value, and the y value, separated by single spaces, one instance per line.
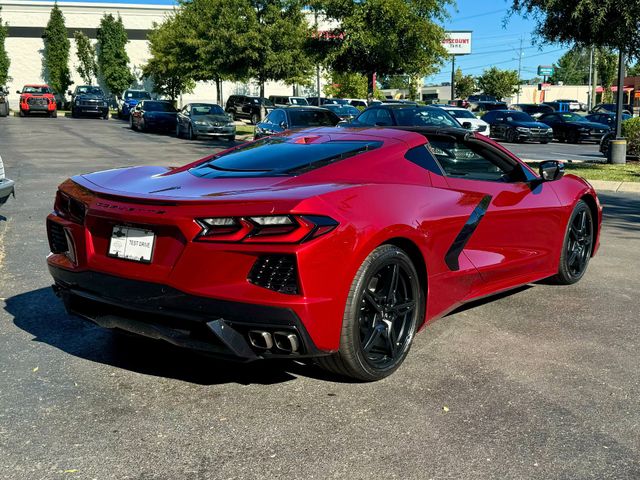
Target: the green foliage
pixel 5 62
pixel 390 37
pixel 607 72
pixel 631 131
pixel 499 83
pixel 56 52
pixel 171 73
pixel 573 67
pixel 632 70
pixel 347 85
pixel 600 23
pixel 465 84
pixel 113 61
pixel 87 67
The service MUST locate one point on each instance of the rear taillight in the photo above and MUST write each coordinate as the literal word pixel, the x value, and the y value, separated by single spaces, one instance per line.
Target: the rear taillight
pixel 69 208
pixel 264 228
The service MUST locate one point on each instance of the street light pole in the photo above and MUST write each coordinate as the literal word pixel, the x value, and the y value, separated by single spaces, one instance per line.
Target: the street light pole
pixel 590 94
pixel 453 78
pixel 619 106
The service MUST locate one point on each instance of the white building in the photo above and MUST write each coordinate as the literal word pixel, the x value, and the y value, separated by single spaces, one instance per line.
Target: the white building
pixel 27 20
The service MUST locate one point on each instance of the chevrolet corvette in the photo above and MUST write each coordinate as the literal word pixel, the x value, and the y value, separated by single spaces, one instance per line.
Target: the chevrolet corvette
pixel 336 244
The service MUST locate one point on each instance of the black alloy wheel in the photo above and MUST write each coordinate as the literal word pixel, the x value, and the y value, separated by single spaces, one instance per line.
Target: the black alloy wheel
pixel 384 306
pixel 578 245
pixel 131 124
pixel 178 134
pixel 512 136
pixel 191 134
pixel 573 137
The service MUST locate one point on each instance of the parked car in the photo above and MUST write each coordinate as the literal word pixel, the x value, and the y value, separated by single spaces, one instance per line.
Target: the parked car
pixel 487 106
pixel 287 118
pixel 573 104
pixel 4 101
pixel 89 100
pixel 250 108
pixel 481 98
pixel 393 114
pixel 316 244
pixel 283 101
pixel 346 112
pixel 464 116
pixel 358 103
pixel 323 101
pixel 37 99
pixel 130 99
pixel 6 185
pixel 611 108
pixel 153 115
pixel 205 120
pixel 533 109
pixel 514 126
pixel 606 118
pixel 573 128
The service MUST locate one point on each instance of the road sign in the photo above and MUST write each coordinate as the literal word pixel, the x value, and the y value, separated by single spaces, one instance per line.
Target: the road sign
pixel 545 70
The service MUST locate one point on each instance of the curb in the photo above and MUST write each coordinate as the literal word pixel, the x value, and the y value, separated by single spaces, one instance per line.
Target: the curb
pixel 613 186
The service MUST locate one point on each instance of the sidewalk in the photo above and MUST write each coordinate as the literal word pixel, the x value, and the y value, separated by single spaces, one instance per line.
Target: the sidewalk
pixel 612 186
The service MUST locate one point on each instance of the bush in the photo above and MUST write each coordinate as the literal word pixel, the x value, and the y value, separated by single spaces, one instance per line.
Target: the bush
pixel 631 131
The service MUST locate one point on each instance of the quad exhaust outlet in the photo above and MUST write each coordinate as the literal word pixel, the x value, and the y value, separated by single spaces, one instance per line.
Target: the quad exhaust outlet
pixel 286 342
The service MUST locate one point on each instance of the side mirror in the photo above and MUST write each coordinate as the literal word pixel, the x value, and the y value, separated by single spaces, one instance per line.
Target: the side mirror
pixel 69 92
pixel 551 170
pixel 467 125
pixel 18 92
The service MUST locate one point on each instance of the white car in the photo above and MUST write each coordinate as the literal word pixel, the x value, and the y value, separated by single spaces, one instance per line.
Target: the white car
pixel 6 185
pixel 462 115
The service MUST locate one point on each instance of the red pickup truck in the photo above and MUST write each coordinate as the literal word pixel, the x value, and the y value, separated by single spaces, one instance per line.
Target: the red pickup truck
pixel 37 99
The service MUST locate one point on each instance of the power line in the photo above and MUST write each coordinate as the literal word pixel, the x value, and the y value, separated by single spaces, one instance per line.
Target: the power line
pixel 485 14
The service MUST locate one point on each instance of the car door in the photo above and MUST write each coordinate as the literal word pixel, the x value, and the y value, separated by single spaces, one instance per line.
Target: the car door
pixel 514 233
pixel 500 126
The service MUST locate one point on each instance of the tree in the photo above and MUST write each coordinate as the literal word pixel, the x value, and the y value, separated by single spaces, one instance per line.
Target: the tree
pixel 171 75
pixel 87 67
pixel 573 67
pixel 113 61
pixel 632 70
pixel 386 37
pixel 499 83
pixel 5 62
pixel 607 71
pixel 465 84
pixel 347 85
pixel 282 33
pixel 56 52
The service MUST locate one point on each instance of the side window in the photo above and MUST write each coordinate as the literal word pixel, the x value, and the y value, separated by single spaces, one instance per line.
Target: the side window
pixel 277 117
pixel 473 161
pixel 368 117
pixel 383 117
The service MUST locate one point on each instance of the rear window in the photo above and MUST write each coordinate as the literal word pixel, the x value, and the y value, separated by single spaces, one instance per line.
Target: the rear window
pixel 280 156
pixel 137 94
pixel 159 107
pixel 428 116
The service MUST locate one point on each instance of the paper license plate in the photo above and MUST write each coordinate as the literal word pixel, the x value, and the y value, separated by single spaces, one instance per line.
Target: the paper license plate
pixel 132 244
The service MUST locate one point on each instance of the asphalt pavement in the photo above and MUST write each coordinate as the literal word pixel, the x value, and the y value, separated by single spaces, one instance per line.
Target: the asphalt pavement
pixel 541 383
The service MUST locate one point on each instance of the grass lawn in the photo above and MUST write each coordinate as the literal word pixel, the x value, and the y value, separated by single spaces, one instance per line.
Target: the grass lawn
pixel 244 129
pixel 630 172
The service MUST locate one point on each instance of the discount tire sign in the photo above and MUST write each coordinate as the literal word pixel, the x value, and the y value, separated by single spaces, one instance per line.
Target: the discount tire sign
pixel 457 43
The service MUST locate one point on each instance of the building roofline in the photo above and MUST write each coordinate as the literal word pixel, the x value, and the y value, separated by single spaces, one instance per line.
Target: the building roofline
pixel 95 5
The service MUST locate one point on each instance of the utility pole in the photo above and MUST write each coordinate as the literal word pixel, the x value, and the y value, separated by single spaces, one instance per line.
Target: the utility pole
pixel 589 95
pixel 594 85
pixel 318 65
pixel 520 53
pixel 453 78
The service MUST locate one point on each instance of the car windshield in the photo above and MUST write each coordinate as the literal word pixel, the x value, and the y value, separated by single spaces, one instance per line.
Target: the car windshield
pixel 36 90
pixel 298 101
pixel 572 117
pixel 342 109
pixel 207 109
pixel 312 118
pixel 280 156
pixel 417 116
pixel 158 107
pixel 89 91
pixel 518 117
pixel 461 113
pixel 137 95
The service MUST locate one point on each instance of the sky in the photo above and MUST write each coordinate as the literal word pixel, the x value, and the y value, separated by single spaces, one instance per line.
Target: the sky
pixel 496 38
pixel 495 42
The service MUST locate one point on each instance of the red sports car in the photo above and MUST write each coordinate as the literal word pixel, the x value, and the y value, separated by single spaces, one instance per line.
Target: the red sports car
pixel 37 99
pixel 331 243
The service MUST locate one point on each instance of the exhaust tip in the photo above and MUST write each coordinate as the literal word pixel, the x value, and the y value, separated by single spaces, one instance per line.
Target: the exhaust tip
pixel 260 339
pixel 286 341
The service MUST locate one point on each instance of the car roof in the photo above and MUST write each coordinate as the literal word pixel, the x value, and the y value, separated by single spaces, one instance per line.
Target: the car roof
pixel 36 85
pixel 299 107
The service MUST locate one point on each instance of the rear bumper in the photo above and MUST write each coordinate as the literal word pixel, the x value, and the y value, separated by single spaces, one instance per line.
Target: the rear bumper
pixel 217 327
pixel 6 189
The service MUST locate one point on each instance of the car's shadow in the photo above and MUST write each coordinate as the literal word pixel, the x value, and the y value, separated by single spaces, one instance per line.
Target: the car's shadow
pixel 41 314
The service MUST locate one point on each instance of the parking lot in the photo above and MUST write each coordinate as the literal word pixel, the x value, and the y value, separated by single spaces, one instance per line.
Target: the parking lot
pixel 538 383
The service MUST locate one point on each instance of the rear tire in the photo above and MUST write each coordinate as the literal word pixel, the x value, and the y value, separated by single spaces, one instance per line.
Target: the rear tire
pixel 255 119
pixel 380 320
pixel 577 246
pixel 190 133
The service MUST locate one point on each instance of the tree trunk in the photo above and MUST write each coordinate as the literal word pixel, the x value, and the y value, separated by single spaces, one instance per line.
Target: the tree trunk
pixel 219 91
pixel 371 84
pixel 262 88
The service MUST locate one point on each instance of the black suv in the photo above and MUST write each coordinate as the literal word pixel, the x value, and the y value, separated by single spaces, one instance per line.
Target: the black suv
pixel 89 100
pixel 251 108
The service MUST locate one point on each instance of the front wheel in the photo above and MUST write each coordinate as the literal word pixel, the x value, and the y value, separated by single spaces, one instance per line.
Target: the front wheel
pixel 384 306
pixel 577 247
pixel 512 136
pixel 255 119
